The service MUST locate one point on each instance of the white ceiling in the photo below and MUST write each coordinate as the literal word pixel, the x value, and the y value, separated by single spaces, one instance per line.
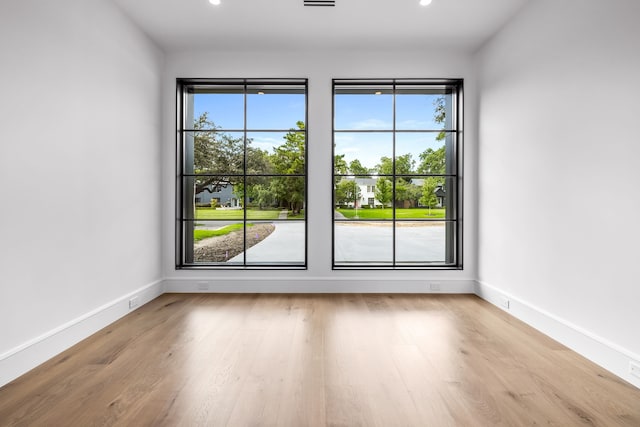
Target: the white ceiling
pixel 287 24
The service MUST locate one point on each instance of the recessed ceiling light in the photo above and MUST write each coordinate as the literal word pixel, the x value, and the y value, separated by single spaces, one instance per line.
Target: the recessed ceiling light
pixel 378 92
pixel 425 2
pixel 214 2
pixel 260 92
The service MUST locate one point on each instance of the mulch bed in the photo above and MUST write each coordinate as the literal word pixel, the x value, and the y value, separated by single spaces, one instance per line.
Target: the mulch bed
pixel 223 248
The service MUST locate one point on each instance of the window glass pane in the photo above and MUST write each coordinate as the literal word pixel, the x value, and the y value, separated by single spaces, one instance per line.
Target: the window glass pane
pixel 423 197
pixel 242 171
pixel 420 242
pixel 217 242
pixel 266 141
pixel 359 108
pixel 275 108
pixel 284 244
pixel 425 152
pixel 363 242
pixel 212 197
pixel 214 152
pixel 372 151
pixel 275 197
pixel 423 111
pixel 220 202
pixel 363 197
pixel 276 153
pixel 218 110
pixel 395 166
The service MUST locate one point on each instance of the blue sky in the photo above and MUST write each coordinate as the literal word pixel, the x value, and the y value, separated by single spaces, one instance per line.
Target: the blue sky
pixel 264 112
pixel 353 112
pixel 375 113
pixel 370 147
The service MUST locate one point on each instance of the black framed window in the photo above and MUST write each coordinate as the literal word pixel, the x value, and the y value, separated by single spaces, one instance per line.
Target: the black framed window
pixel 242 173
pixel 397 162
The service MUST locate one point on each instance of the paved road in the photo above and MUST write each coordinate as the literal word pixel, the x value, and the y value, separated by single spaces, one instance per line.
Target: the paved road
pixel 358 242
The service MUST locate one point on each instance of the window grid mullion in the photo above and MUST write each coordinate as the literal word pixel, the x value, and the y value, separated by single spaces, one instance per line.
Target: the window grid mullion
pixel 186 85
pixel 244 181
pixel 393 197
pixel 452 88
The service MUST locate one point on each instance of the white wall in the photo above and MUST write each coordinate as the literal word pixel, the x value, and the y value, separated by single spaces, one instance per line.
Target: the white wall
pixel 319 67
pixel 82 115
pixel 80 112
pixel 559 153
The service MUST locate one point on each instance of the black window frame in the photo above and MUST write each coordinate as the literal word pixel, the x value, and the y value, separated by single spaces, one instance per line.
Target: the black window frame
pixel 454 219
pixel 183 86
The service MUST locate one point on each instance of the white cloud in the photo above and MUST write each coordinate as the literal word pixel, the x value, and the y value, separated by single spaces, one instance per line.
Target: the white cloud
pixel 341 138
pixel 265 143
pixel 371 124
pixel 414 124
pixel 347 150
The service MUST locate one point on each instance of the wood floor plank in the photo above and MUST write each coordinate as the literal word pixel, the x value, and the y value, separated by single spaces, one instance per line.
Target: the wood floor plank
pixel 318 360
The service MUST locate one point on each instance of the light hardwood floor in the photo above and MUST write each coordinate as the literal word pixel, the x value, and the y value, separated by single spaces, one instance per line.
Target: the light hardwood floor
pixel 315 360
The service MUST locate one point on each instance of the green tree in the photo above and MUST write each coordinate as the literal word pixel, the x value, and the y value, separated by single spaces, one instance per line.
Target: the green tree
pixel 341 192
pixel 385 167
pixel 215 153
pixel 288 159
pixel 432 161
pixel 340 165
pixel 356 168
pixel 384 191
pixel 347 191
pixel 261 195
pixel 413 194
pixel 404 165
pixel 402 191
pixel 440 115
pixel 407 193
pixel 429 186
pixel 288 192
pixel 258 161
pixel 221 156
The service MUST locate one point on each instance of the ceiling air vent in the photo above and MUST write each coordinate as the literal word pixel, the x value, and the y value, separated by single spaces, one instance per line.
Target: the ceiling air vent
pixel 329 3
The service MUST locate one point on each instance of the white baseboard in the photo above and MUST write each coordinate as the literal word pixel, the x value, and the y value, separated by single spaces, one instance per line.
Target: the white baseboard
pixel 36 351
pixel 317 285
pixel 604 353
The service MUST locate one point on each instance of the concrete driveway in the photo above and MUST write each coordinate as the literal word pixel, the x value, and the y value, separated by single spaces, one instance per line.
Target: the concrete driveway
pixel 284 245
pixel 354 242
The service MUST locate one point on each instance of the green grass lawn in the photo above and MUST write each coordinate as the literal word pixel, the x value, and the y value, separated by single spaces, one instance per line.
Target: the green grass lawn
pixel 204 234
pixel 298 216
pixel 387 213
pixel 209 213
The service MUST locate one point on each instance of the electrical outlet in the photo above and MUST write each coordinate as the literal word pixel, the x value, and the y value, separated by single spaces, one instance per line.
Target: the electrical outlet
pixel 133 302
pixel 203 286
pixel 434 286
pixel 504 302
pixel 634 369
